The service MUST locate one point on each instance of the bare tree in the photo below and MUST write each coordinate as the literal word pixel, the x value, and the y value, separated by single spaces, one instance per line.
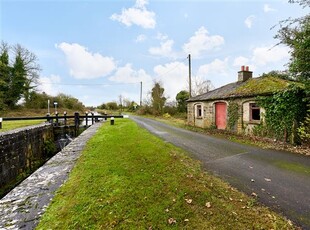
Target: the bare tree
pixel 201 86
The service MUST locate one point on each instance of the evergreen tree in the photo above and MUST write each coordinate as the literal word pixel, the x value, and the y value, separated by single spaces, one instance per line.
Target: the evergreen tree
pixel 158 99
pixel 181 98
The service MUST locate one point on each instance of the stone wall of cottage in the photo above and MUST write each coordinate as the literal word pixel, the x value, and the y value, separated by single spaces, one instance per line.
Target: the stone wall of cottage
pixel 207 120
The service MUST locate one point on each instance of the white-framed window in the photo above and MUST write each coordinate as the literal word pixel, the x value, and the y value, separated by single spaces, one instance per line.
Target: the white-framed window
pixel 254 112
pixel 199 111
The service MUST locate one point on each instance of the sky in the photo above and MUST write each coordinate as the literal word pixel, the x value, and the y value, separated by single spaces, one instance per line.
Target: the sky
pixel 99 50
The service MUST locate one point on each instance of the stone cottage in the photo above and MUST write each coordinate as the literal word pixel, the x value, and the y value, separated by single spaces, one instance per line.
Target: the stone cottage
pixel 234 106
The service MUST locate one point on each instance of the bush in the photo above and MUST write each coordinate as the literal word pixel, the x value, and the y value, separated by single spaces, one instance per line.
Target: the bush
pixel 304 129
pixel 166 115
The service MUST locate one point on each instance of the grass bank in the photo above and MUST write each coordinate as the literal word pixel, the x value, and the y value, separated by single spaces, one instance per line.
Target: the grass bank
pixel 9 125
pixel 127 178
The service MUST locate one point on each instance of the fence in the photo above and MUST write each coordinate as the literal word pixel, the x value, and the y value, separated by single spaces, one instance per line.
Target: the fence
pixel 58 120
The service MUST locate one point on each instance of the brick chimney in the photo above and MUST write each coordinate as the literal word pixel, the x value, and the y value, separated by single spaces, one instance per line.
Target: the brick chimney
pixel 244 74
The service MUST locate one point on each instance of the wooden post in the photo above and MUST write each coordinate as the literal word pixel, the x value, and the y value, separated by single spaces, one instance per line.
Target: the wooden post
pixel 1 122
pixel 49 120
pixel 65 114
pixel 112 121
pixel 57 124
pixel 76 123
pixel 190 75
pixel 86 119
pixel 92 118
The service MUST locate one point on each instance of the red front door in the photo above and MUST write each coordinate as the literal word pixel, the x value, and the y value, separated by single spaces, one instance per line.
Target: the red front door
pixel 220 115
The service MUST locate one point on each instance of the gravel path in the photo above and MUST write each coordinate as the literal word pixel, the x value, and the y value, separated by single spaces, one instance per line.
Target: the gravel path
pixel 281 180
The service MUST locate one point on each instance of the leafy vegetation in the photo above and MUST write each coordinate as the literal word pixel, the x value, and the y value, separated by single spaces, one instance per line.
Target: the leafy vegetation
pixel 284 111
pixel 295 33
pixel 181 98
pixel 130 179
pixel 16 79
pixel 233 115
pixel 158 99
pixel 304 129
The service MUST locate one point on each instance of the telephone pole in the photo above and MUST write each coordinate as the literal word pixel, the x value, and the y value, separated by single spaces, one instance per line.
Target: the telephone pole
pixel 141 93
pixel 189 75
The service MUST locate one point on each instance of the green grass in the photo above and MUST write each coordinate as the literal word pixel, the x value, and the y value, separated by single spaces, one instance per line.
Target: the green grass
pixel 127 178
pixel 9 125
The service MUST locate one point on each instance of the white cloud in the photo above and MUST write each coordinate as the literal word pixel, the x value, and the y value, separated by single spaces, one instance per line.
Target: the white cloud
pixel 268 54
pixel 249 21
pixel 240 61
pixel 217 67
pixel 49 85
pixel 137 15
pixel 141 38
pixel 165 49
pixel 268 9
pixel 202 42
pixel 161 36
pixel 84 64
pixel 127 74
pixel 174 77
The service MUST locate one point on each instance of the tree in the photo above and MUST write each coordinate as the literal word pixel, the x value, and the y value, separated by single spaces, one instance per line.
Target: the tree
pixel 69 102
pixel 278 74
pixel 158 99
pixel 284 111
pixel 5 71
pixel 17 80
pixel 31 67
pixel 102 106
pixel 112 105
pixel 201 86
pixel 181 98
pixel 295 33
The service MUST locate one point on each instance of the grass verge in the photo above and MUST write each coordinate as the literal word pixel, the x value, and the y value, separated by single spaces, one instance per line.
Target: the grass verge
pixel 127 178
pixel 9 125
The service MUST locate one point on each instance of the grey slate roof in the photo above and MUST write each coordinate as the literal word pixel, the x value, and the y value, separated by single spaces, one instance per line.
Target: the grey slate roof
pixel 219 93
pixel 265 85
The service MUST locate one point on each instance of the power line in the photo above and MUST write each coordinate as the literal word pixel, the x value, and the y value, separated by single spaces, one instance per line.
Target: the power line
pixel 87 84
pixel 101 84
pixel 168 71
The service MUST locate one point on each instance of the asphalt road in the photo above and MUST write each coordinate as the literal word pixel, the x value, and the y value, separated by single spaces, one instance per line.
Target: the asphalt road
pixel 280 179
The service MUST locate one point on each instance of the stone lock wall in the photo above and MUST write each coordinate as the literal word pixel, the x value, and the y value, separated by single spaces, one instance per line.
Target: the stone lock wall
pixel 22 150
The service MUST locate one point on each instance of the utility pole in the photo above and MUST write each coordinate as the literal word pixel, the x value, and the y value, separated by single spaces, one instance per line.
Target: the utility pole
pixel 141 93
pixel 189 75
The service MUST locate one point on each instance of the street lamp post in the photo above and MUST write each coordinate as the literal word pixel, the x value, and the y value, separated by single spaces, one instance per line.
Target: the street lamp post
pixel 55 104
pixel 48 107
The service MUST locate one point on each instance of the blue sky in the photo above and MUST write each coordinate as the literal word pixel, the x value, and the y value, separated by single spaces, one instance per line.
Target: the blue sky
pixel 98 50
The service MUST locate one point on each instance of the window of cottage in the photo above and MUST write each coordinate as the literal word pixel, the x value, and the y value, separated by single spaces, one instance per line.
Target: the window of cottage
pixel 199 111
pixel 254 112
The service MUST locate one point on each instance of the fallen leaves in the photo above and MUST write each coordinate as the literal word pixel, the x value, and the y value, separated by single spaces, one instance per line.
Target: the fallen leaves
pixel 208 205
pixel 254 194
pixel 172 221
pixel 189 201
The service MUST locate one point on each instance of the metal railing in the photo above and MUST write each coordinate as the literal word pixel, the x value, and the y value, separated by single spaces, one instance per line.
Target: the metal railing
pixel 55 120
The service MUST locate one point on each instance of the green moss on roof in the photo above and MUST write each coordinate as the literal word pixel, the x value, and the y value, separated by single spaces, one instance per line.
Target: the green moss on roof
pixel 253 87
pixel 261 86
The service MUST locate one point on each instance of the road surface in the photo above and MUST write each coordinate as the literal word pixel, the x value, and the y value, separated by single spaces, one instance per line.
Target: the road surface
pixel 280 179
